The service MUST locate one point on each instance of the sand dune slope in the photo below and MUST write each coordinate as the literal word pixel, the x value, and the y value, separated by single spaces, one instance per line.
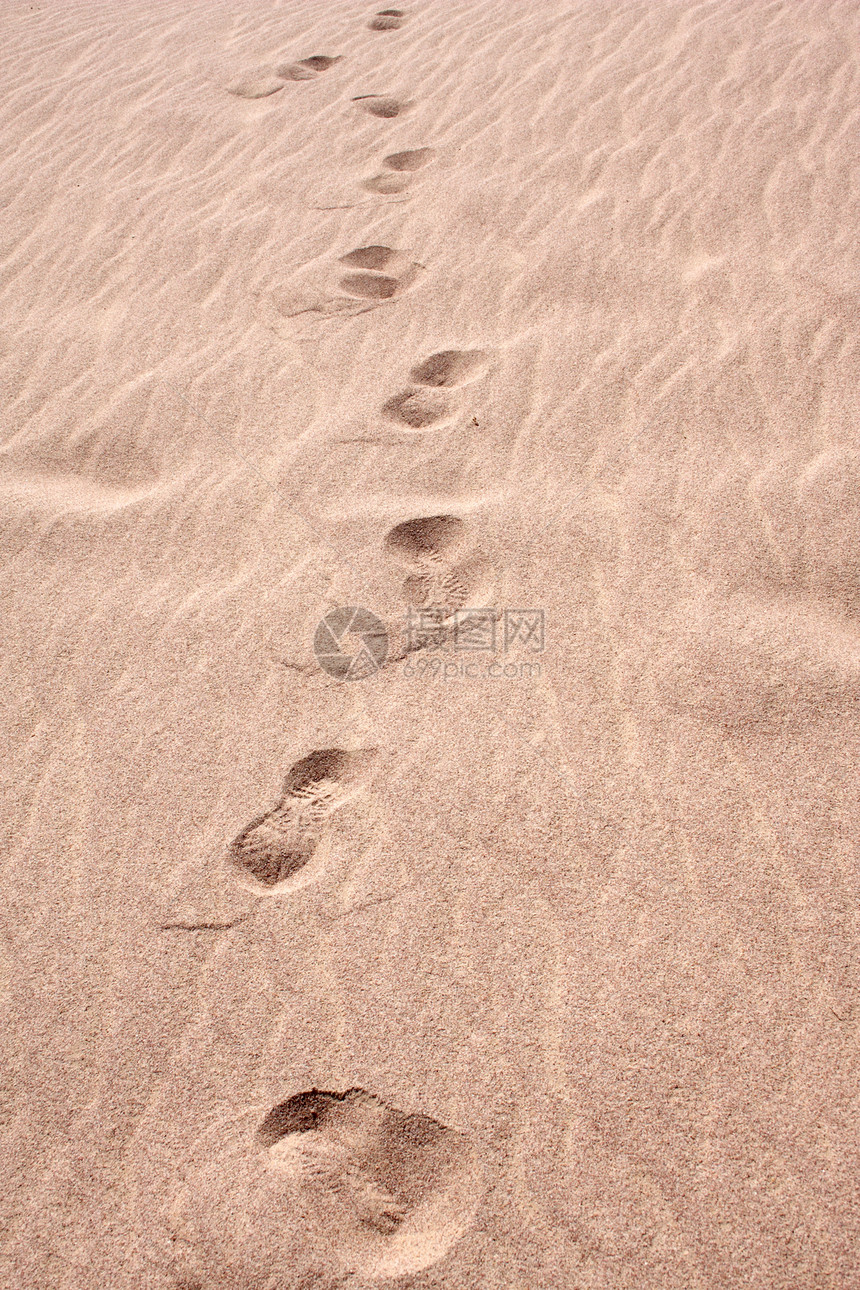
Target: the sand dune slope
pixel 502 934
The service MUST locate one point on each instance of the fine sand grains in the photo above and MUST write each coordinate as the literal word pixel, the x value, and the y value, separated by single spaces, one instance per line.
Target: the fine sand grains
pixel 393 1184
pixel 429 487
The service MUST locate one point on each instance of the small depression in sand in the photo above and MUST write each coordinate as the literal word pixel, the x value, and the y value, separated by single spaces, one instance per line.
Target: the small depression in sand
pixel 387 20
pixel 442 577
pixel 412 160
pixel 381 105
pixel 415 542
pixel 387 184
pixel 271 851
pixel 418 409
pixel 369 286
pixel 451 367
pixel 257 85
pixel 342 1181
pixel 372 283
pixel 375 257
pixel 320 62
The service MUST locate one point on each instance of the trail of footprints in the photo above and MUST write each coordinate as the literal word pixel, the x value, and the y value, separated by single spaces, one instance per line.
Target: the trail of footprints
pixel 398 168
pixel 390 1192
pixel 266 81
pixel 395 1190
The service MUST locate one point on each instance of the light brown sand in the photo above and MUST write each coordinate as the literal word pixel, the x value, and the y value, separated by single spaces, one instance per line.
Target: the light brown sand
pixel 583 936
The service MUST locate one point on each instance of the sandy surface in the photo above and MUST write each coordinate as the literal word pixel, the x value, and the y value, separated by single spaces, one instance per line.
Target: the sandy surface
pixel 493 968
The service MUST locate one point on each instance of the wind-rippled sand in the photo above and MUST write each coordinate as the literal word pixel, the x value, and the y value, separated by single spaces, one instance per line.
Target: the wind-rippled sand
pixel 487 967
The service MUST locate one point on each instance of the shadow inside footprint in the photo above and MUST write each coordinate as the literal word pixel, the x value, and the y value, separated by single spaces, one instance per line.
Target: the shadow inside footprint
pixel 412 160
pixel 418 541
pixel 450 367
pixel 369 286
pixel 379 105
pixel 417 409
pixel 320 62
pixel 295 72
pixel 384 1164
pixel 371 257
pixel 324 1187
pixel 387 184
pixel 383 22
pixel 275 846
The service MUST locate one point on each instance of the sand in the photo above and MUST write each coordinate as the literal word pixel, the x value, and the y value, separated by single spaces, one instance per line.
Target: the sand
pixel 482 950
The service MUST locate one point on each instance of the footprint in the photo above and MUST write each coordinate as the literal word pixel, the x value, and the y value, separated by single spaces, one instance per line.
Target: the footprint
pixel 397 176
pixel 306 69
pixel 387 20
pixel 368 289
pixel 258 85
pixel 389 1168
pixel 413 160
pixel 380 105
pixel 266 81
pixel 387 184
pixel 373 284
pixel 417 542
pixel 338 1180
pixel 418 409
pixel 443 576
pixel 451 367
pixel 276 846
